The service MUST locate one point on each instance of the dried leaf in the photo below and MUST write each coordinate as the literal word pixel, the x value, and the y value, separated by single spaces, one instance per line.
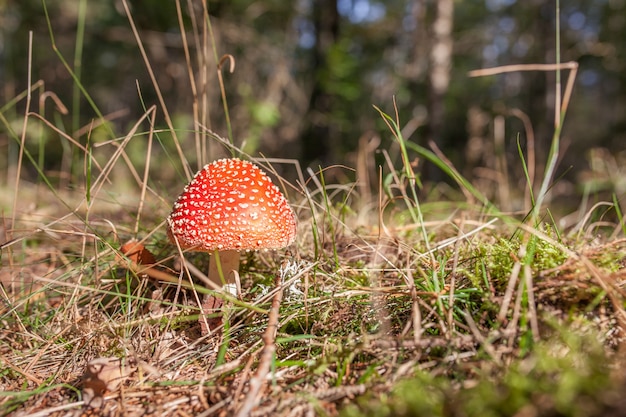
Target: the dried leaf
pixel 102 375
pixel 211 306
pixel 137 252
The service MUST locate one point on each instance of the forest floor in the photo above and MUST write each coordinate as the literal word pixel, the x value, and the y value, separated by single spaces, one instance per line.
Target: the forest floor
pixel 471 312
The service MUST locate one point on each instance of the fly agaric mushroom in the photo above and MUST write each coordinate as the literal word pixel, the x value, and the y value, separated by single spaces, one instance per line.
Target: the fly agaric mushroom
pixel 231 205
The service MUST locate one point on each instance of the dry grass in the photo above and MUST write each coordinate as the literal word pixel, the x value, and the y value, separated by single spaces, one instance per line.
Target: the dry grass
pixel 364 309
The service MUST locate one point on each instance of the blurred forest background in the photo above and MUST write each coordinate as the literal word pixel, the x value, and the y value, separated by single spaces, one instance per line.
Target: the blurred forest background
pixel 308 73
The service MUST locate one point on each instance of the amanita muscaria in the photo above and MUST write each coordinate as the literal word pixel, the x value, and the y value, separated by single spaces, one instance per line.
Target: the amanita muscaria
pixel 231 205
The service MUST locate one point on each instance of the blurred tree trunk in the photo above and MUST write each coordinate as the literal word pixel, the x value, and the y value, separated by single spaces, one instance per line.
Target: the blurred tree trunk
pixel 542 84
pixel 440 63
pixel 439 72
pixel 317 137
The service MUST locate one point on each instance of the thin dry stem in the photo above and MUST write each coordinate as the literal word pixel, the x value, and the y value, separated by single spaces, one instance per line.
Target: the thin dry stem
pixel 267 355
pixel 532 306
pixel 103 177
pixel 508 293
pixel 530 157
pixel 484 72
pixel 20 157
pixel 190 73
pixel 146 173
pixel 157 89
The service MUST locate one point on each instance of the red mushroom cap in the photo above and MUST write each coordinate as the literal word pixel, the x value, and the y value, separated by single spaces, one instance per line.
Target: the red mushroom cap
pixel 231 205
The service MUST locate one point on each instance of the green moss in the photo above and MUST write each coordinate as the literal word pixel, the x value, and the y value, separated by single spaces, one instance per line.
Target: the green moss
pixel 494 262
pixel 567 375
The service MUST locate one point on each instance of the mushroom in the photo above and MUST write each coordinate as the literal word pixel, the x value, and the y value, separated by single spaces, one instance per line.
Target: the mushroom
pixel 231 205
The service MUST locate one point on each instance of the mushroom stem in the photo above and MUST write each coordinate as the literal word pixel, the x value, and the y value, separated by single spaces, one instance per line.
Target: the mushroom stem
pixel 221 266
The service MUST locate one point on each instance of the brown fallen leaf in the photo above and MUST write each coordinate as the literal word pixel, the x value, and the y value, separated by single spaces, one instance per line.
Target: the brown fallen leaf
pixel 211 306
pixel 137 252
pixel 102 375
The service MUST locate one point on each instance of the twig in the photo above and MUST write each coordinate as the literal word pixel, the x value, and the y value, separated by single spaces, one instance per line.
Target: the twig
pixel 522 67
pixel 508 293
pixel 484 342
pixel 532 308
pixel 24 372
pixel 62 407
pixel 269 339
pixel 243 377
